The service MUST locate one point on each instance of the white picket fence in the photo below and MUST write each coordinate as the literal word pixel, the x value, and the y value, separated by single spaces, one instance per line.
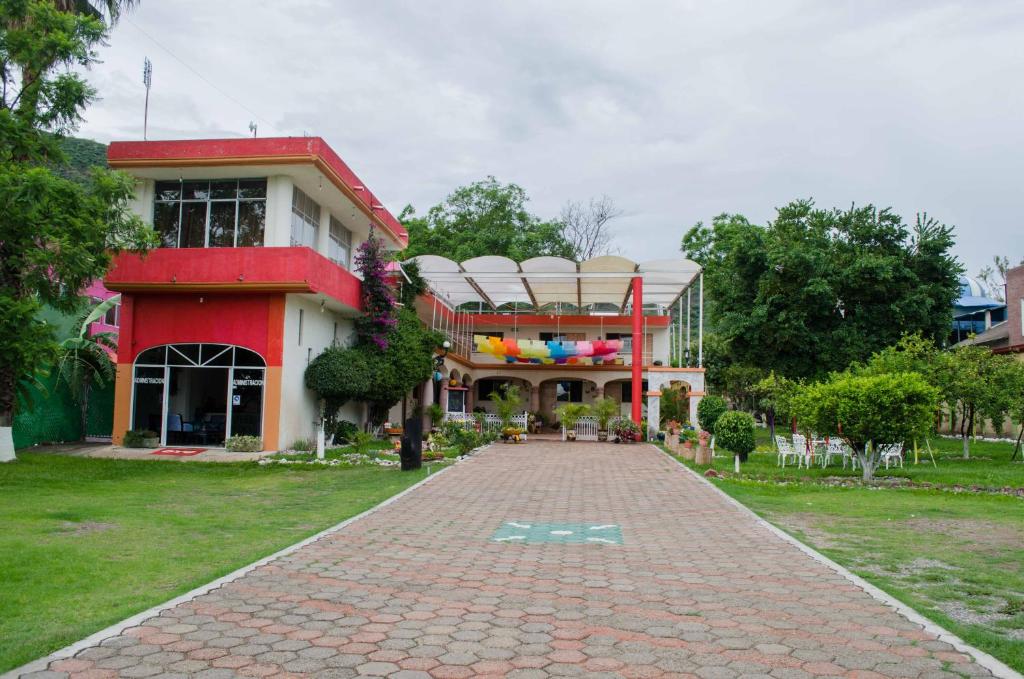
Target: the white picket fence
pixel 488 422
pixel 586 428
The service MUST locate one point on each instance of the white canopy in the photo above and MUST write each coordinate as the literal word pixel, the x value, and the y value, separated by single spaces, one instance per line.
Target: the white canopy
pixel 594 283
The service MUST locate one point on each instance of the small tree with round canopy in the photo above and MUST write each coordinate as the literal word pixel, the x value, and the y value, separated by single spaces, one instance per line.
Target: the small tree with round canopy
pixel 734 431
pixel 867 410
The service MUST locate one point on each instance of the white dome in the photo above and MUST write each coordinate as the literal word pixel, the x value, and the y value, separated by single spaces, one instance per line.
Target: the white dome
pixel 972 287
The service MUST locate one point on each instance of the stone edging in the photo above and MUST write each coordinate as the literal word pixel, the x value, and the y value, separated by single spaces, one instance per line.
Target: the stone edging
pixel 992 664
pixel 133 621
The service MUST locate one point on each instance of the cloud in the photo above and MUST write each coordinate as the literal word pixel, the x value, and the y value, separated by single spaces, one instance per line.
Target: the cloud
pixel 678 111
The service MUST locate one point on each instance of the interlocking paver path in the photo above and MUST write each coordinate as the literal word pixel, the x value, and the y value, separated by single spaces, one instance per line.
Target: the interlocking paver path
pixel 421 589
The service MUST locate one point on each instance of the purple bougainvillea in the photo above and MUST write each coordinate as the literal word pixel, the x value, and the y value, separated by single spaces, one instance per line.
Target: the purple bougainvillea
pixel 377 296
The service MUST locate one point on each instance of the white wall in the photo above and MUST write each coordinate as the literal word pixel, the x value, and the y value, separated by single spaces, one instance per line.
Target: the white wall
pixel 277 232
pixel 299 409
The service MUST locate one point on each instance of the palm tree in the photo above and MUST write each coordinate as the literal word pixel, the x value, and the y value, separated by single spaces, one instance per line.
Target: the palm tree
pixel 107 10
pixel 84 361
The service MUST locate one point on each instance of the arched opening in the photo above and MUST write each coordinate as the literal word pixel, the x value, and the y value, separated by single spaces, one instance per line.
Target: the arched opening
pixel 559 391
pixel 198 394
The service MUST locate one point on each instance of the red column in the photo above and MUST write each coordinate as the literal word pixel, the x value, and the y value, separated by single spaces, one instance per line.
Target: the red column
pixel 638 347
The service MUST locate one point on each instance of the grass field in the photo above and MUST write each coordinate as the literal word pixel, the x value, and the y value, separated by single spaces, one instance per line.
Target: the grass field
pixel 88 542
pixel 990 465
pixel 958 558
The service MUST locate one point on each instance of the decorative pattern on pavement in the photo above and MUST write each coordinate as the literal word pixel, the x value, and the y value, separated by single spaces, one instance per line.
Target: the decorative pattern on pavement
pixel 422 589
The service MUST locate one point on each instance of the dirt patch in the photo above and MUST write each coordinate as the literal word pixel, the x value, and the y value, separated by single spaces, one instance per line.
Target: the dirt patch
pixel 78 528
pixel 984 535
pixel 808 524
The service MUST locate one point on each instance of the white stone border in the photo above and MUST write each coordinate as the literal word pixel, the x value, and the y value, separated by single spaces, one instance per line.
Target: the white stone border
pixel 133 621
pixel 993 665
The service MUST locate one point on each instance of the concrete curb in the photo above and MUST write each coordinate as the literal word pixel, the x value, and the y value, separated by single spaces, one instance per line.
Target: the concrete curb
pixel 138 618
pixel 992 664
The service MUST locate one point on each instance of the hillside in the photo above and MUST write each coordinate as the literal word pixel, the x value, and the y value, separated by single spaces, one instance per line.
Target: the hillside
pixel 82 155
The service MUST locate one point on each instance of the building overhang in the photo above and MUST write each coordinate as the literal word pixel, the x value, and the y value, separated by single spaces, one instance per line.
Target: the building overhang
pixel 600 285
pixel 236 270
pixel 258 156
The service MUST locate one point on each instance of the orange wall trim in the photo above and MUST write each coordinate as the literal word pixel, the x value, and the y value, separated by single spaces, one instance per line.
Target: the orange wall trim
pixel 122 402
pixel 272 408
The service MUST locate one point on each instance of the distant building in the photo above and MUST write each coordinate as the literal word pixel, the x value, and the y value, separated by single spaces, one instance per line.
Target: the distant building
pixel 1014 313
pixel 974 312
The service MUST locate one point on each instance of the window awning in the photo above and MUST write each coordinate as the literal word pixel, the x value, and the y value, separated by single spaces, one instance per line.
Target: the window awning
pixel 599 284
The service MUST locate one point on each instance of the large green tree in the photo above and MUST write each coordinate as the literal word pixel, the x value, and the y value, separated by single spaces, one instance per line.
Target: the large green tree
pixel 815 290
pixel 56 235
pixel 483 218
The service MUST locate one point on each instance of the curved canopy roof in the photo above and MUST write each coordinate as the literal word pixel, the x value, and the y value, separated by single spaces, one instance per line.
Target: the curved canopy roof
pixel 595 283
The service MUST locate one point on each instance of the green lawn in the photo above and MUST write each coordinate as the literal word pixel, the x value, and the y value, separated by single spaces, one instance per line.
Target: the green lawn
pixel 958 558
pixel 88 542
pixel 990 465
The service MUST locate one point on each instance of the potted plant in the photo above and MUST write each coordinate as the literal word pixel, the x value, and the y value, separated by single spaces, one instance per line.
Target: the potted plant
pixel 507 403
pixel 436 414
pixel 570 414
pixel 734 430
pixel 604 409
pixel 626 431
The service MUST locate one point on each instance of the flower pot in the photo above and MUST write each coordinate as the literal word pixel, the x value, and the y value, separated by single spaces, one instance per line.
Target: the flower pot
pixel 602 434
pixel 688 452
pixel 151 443
pixel 703 455
pixel 570 435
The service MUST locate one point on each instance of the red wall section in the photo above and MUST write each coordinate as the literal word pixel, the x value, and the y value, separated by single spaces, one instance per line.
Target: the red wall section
pixel 237 269
pixel 227 319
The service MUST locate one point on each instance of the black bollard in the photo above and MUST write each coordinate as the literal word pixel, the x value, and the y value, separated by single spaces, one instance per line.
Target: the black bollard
pixel 412 444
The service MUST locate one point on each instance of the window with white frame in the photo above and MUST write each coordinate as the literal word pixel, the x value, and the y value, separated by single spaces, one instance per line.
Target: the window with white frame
pixel 339 247
pixel 305 219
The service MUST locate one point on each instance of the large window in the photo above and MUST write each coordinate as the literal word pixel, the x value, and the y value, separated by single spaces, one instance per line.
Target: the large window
pixel 221 213
pixel 305 219
pixel 339 249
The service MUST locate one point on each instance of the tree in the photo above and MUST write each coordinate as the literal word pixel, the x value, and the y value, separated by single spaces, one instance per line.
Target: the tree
pixel 83 361
pixel 866 411
pixel 484 218
pixel 994 277
pixel 815 289
pixel 586 227
pixel 709 410
pixel 55 235
pixel 775 395
pixel 734 431
pixel 974 383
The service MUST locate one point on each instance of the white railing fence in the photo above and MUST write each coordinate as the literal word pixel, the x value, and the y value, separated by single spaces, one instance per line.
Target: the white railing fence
pixel 488 422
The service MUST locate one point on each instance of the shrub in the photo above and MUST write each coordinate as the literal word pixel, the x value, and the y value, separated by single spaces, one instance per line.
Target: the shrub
pixel 734 431
pixel 604 409
pixel 709 410
pixel 344 431
pixel 244 444
pixel 507 402
pixel 570 413
pixel 462 438
pixel 135 438
pixel 626 429
pixel 303 445
pixel 436 414
pixel 361 441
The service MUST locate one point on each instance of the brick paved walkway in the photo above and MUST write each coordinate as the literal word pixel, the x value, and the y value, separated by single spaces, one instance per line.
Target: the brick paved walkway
pixel 421 589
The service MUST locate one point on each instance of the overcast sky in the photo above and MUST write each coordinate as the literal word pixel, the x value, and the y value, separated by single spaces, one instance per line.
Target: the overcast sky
pixel 676 110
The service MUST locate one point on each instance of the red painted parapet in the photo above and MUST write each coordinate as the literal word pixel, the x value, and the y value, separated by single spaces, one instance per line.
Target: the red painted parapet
pixel 294 269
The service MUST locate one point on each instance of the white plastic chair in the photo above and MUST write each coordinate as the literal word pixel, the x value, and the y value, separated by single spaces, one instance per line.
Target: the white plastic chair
pixel 785 450
pixel 891 452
